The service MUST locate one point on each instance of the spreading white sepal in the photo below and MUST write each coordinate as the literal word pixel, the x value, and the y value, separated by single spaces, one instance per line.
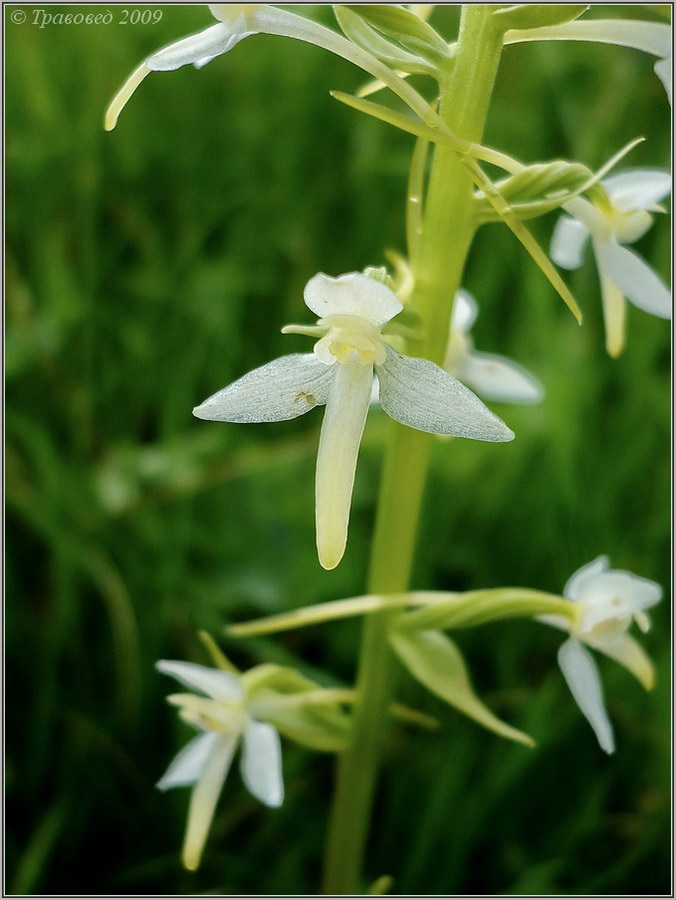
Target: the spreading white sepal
pixel 283 389
pixel 187 766
pixel 339 441
pixel 200 48
pixel 421 395
pixel 582 677
pixel 635 279
pixel 261 764
pixel 204 798
pixel 212 682
pixel 568 243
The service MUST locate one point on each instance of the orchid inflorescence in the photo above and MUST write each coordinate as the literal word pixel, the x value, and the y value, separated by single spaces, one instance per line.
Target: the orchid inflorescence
pixel 372 341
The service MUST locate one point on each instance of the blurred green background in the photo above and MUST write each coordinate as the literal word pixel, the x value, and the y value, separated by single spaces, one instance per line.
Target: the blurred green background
pixel 149 267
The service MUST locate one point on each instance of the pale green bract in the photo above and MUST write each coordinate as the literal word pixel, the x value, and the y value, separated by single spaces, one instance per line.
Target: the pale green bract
pixel 621 216
pixel 609 601
pixel 352 310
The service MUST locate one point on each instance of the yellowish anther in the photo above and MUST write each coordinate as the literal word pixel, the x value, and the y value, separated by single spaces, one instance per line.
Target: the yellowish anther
pixel 120 99
pixel 350 339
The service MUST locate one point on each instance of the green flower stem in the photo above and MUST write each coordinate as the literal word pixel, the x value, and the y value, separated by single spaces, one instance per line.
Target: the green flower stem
pixel 449 226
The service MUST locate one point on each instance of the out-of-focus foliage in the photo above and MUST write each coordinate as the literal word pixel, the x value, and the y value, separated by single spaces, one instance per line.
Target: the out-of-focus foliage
pixel 147 268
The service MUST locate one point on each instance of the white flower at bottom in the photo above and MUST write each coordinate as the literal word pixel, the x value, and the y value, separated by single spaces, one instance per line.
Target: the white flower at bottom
pixel 609 600
pixel 623 218
pixel 353 310
pixel 493 377
pixel 220 712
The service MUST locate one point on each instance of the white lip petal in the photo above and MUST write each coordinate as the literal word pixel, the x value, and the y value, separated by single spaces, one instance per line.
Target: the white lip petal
pixel 212 682
pixel 630 654
pixel 204 799
pixel 614 315
pixel 568 243
pixel 498 378
pixel 582 677
pixel 419 394
pixel 634 277
pixel 584 575
pixel 352 294
pixel 465 311
pixel 283 389
pixel 339 441
pixel 638 188
pixel 187 766
pixel 212 42
pixel 261 764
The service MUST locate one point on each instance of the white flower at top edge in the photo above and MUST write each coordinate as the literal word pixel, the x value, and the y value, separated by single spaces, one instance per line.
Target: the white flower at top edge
pixel 609 601
pixel 353 310
pixel 622 219
pixel 493 377
pixel 221 714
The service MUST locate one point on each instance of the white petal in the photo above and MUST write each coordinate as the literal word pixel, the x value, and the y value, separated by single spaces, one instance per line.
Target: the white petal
pixel 582 677
pixel 498 378
pixel 616 594
pixel 339 441
pixel 579 580
pixel 629 653
pixel 423 396
pixel 638 188
pixel 614 315
pixel 212 682
pixel 568 242
pixel 187 766
pixel 283 389
pixel 353 294
pixel 213 41
pixel 634 277
pixel 205 797
pixel 262 763
pixel 465 311
pixel 649 37
pixel 663 72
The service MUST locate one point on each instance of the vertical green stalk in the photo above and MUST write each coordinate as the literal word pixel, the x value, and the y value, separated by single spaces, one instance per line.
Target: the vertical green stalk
pixel 449 227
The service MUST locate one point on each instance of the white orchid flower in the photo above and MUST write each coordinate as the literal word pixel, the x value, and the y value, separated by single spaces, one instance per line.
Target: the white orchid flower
pixel 224 718
pixel 493 377
pixel 608 600
pixel 353 310
pixel 649 37
pixel 237 22
pixel 620 218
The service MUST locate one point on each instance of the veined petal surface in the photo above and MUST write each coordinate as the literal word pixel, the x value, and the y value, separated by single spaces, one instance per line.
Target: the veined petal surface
pixel 419 394
pixel 283 389
pixel 568 243
pixel 634 277
pixel 352 294
pixel 187 766
pixel 212 682
pixel 261 765
pixel 582 677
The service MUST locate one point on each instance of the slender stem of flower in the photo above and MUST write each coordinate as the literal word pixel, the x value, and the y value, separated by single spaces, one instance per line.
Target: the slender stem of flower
pixel 449 227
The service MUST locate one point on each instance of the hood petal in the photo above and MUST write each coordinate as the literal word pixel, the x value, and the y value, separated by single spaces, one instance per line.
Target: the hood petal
pixel 352 294
pixel 212 682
